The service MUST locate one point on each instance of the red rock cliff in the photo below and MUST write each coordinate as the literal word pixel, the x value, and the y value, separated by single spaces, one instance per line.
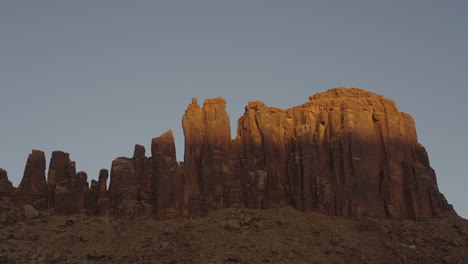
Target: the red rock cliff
pixel 346 152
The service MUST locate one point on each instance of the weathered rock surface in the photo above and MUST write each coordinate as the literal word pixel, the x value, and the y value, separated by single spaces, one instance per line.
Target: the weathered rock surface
pixel 33 187
pixel 103 199
pixel 61 170
pixel 206 164
pixel 167 179
pixel 5 185
pixel 124 187
pixel 29 212
pixel 346 152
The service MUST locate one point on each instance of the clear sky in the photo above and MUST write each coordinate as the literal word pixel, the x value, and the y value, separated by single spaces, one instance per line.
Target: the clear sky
pixel 93 78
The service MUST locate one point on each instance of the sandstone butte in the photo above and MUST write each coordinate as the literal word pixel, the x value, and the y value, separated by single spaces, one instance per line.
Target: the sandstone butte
pixel 345 152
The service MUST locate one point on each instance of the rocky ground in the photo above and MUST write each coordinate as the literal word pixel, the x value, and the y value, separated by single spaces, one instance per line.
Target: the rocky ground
pixel 282 235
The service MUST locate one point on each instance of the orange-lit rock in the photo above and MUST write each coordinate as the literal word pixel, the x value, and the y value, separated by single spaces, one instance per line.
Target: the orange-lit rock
pixel 207 164
pixel 194 132
pixel 346 152
pixel 214 152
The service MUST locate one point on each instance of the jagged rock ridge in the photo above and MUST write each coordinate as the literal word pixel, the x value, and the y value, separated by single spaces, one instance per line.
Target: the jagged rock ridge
pixel 346 152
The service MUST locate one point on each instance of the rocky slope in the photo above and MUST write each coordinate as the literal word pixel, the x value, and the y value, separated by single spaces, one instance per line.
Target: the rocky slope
pixel 346 152
pixel 280 235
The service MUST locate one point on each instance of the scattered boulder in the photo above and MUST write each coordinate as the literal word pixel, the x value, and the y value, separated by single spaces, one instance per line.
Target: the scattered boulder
pixel 29 212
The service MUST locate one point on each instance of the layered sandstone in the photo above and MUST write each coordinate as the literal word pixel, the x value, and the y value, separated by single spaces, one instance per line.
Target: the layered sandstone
pixel 345 152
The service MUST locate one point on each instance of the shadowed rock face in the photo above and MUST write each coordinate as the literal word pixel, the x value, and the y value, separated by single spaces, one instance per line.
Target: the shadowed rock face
pixel 5 185
pixel 103 199
pixel 33 186
pixel 61 170
pixel 346 152
pixel 166 177
pixel 67 190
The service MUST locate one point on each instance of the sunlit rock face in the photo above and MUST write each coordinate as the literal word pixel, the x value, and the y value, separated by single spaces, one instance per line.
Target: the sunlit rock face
pixel 207 165
pixel 346 152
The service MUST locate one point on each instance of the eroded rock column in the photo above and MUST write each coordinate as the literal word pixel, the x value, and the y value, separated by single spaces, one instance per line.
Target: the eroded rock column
pixel 33 187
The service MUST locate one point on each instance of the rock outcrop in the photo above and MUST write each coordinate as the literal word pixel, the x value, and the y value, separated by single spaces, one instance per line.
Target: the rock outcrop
pixel 207 145
pixel 167 177
pixel 346 152
pixel 103 199
pixel 6 187
pixel 61 170
pixel 33 187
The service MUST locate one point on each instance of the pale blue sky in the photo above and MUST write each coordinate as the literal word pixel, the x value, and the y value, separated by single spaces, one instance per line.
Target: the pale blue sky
pixel 93 78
